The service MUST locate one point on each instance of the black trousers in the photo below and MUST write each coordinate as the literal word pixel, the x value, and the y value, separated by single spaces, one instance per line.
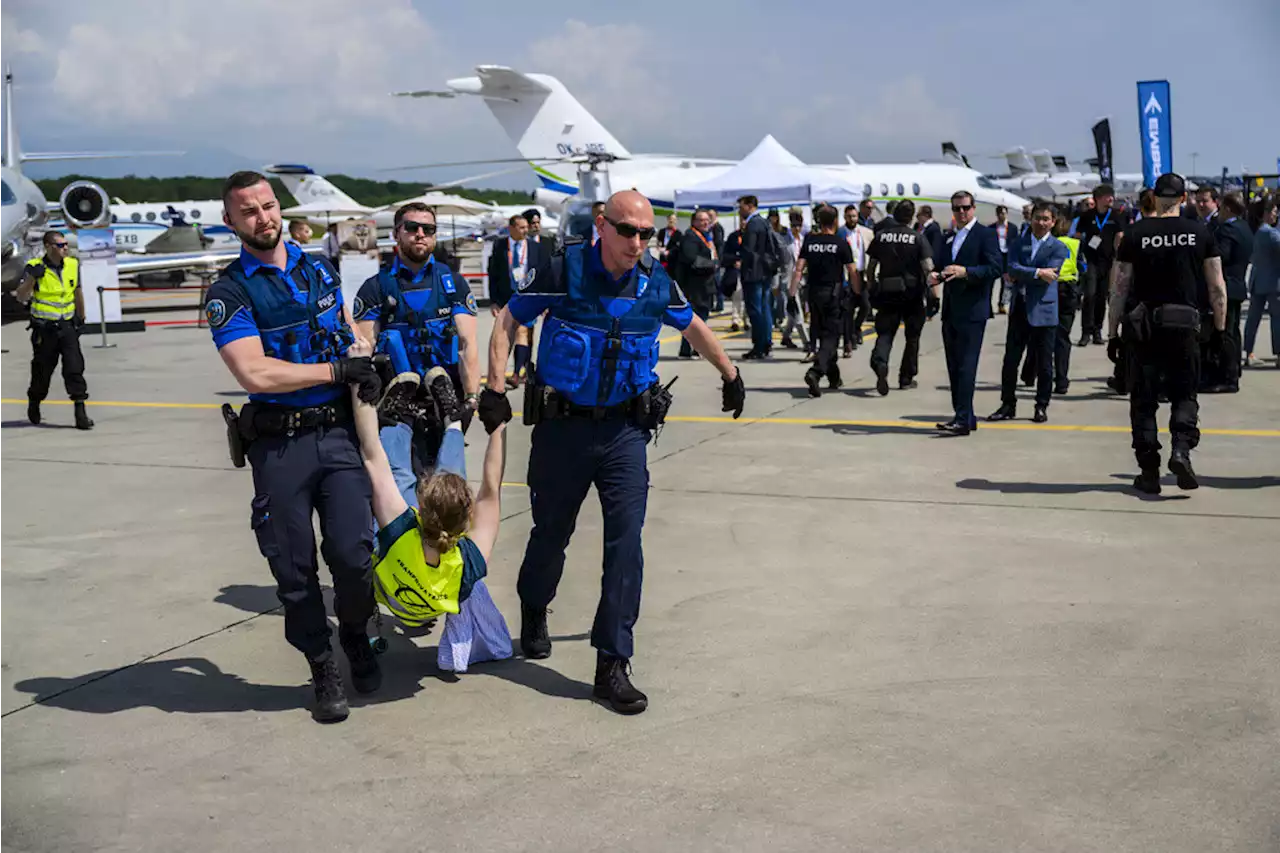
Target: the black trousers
pixel 1038 342
pixel 1093 313
pixel 909 314
pixel 51 340
pixel 1169 360
pixel 314 471
pixel 703 311
pixel 826 316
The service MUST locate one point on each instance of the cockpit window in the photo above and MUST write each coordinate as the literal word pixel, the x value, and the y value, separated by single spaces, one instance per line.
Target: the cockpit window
pixel 7 196
pixel 986 183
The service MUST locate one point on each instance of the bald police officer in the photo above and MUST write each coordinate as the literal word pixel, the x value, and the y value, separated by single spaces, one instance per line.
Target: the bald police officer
pixel 899 261
pixel 1154 287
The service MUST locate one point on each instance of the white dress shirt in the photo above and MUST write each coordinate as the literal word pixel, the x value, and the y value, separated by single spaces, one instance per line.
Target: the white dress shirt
pixel 960 237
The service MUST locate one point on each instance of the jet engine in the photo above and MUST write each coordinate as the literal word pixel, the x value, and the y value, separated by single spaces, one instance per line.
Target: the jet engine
pixel 85 205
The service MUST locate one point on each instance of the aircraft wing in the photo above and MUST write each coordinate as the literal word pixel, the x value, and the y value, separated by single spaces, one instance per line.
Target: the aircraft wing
pixel 130 265
pixel 53 156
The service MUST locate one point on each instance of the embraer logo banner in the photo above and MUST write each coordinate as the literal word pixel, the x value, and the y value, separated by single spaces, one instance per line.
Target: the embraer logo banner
pixel 1154 126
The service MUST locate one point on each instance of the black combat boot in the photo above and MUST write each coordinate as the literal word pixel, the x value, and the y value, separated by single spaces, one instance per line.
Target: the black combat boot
pixel 535 642
pixel 1180 466
pixel 366 674
pixel 811 380
pixel 82 416
pixel 613 684
pixel 331 700
pixel 1148 482
pixel 33 411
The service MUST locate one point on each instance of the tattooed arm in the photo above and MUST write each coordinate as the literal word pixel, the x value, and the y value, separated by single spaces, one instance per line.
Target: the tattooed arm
pixel 1217 291
pixel 1121 278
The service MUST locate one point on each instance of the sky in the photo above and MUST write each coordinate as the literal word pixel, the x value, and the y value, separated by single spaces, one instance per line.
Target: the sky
pixel 239 83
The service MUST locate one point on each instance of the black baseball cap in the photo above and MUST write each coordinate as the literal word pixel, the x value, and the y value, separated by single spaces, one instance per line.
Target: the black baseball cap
pixel 1170 185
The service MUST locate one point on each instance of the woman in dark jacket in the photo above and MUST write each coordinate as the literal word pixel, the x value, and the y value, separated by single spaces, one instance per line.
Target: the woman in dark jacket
pixel 694 264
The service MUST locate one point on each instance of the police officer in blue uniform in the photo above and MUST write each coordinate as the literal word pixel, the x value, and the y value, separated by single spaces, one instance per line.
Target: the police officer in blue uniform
pixel 594 403
pixel 422 316
pixel 280 326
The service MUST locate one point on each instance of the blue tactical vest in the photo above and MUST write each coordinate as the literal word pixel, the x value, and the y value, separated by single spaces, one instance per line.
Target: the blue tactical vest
pixel 418 331
pixel 600 348
pixel 313 332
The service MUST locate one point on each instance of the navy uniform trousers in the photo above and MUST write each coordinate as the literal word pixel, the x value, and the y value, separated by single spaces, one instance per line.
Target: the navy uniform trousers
pixel 962 344
pixel 568 456
pixel 316 470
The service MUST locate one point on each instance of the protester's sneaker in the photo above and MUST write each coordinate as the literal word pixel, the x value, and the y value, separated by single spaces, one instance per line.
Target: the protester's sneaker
pixel 331 700
pixel 1180 467
pixel 613 684
pixel 366 674
pixel 441 388
pixel 535 642
pixel 398 397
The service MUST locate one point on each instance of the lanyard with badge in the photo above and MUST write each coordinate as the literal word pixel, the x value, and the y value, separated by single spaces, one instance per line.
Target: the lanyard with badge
pixel 513 254
pixel 1096 240
pixel 709 244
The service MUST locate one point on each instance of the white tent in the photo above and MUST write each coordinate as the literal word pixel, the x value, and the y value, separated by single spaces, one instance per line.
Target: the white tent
pixel 445 204
pixel 773 175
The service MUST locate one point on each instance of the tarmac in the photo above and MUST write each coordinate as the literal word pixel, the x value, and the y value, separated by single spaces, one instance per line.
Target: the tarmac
pixel 856 635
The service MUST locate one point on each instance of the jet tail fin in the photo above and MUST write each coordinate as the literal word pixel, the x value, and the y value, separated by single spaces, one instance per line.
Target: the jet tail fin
pixel 952 154
pixel 307 187
pixel 1019 162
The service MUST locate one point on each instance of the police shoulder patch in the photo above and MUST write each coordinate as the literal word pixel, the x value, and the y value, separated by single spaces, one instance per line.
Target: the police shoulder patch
pixel 527 282
pixel 357 307
pixel 215 310
pixel 471 302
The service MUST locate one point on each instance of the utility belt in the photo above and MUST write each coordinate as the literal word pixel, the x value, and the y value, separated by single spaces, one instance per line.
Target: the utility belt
pixel 265 420
pixel 648 410
pixel 1143 319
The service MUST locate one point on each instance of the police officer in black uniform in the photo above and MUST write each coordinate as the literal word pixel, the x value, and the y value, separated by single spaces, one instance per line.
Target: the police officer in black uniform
pixel 826 259
pixel 899 261
pixel 1155 289
pixel 1097 231
pixel 279 323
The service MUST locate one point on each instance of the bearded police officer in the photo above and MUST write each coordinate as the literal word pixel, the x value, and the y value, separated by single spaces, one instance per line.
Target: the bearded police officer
pixel 51 285
pixel 1155 282
pixel 280 326
pixel 898 265
pixel 421 317
pixel 594 400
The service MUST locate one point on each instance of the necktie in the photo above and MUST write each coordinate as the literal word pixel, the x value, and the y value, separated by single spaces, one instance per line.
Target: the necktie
pixel 515 255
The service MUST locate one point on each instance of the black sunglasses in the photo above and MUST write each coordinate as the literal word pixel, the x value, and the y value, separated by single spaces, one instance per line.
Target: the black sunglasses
pixel 414 227
pixel 627 231
pixel 960 208
pixel 60 245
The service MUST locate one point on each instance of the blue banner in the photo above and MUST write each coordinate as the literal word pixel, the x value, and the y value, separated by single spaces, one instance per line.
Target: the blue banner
pixel 1155 129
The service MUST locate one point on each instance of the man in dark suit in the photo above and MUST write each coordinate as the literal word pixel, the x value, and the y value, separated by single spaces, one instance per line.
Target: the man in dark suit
pixel 717 234
pixel 758 251
pixel 546 243
pixel 513 257
pixel 969 265
pixel 1221 356
pixel 930 231
pixel 1033 266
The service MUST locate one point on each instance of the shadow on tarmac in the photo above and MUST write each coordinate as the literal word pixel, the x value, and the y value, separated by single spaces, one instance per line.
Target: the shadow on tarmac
pixel 1070 488
pixel 884 429
pixel 25 424
pixel 1209 482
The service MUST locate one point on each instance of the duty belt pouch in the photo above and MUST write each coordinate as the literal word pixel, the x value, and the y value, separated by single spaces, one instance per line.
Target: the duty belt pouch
pixel 1183 317
pixel 534 399
pixel 235 441
pixel 1138 323
pixel 892 285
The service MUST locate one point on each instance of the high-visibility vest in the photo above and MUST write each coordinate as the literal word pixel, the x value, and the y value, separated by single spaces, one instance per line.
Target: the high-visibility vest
pixel 1070 271
pixel 54 297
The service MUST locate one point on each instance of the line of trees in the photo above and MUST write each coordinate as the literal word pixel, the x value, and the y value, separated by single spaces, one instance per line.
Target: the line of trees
pixel 133 189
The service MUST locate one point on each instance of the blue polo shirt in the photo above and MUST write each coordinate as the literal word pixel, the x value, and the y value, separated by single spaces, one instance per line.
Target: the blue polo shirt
pixel 230 314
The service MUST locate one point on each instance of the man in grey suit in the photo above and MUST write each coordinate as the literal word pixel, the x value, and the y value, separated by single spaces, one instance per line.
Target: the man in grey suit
pixel 1034 262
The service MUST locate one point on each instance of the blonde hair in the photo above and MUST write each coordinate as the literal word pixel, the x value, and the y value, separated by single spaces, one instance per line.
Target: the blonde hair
pixel 444 509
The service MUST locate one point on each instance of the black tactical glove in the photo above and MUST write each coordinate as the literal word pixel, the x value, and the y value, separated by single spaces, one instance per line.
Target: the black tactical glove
pixel 361 373
pixel 467 412
pixel 793 307
pixel 493 409
pixel 734 395
pixel 1114 350
pixel 77 322
pixel 932 305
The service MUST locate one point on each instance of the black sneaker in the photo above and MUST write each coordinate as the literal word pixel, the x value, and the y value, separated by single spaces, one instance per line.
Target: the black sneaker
pixel 441 387
pixel 535 642
pixel 1096 340
pixel 1180 466
pixel 613 684
pixel 366 674
pixel 907 384
pixel 33 411
pixel 331 700
pixel 811 379
pixel 1148 482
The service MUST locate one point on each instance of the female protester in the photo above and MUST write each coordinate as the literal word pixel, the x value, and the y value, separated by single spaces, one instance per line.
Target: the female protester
pixel 431 561
pixel 695 269
pixel 1264 282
